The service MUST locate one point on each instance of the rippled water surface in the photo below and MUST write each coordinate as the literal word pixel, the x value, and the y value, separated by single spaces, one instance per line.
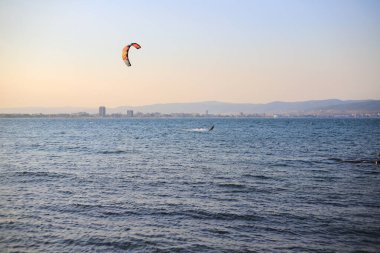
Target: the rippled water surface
pixel 162 185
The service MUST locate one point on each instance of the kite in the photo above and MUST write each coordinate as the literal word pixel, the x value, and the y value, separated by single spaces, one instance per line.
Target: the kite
pixel 124 54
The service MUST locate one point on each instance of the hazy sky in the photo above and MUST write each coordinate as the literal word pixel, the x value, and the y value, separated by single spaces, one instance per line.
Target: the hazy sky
pixel 68 53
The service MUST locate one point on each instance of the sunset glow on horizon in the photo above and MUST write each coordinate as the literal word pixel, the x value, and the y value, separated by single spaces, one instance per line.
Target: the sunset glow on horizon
pixel 68 53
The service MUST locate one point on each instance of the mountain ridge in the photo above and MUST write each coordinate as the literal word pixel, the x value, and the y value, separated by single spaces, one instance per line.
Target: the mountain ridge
pixel 216 107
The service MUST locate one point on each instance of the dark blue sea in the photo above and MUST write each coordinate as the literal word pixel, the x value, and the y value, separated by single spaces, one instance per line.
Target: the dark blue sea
pixel 169 185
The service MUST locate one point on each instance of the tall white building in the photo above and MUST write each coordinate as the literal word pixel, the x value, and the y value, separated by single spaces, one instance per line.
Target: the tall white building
pixel 129 113
pixel 102 111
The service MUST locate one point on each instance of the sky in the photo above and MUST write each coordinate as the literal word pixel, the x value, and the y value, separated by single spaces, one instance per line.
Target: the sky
pixel 68 53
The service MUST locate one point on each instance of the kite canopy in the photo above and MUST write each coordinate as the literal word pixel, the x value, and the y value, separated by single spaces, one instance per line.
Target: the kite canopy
pixel 125 51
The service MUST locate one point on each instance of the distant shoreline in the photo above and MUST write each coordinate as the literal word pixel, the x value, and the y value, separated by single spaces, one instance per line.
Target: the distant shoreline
pixel 185 115
pixel 315 108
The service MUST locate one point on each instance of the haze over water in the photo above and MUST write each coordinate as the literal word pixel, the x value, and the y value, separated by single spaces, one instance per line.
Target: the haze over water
pixel 162 185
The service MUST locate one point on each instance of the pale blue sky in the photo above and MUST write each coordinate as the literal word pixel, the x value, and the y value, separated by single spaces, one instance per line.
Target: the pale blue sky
pixel 68 53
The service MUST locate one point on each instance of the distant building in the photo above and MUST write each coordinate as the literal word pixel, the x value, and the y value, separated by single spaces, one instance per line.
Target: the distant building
pixel 129 113
pixel 102 111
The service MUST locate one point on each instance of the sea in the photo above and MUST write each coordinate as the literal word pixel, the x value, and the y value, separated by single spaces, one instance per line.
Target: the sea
pixel 170 185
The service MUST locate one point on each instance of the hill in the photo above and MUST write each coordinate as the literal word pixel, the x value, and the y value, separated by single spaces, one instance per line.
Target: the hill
pixel 319 107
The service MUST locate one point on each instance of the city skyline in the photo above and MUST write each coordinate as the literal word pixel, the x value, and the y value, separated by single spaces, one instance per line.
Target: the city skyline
pixel 68 53
pixel 310 107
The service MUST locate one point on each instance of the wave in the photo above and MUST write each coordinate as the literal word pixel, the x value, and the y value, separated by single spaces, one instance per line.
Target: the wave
pixel 232 185
pixel 198 130
pixel 262 177
pixel 108 152
pixel 208 215
pixel 31 174
pixel 356 161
